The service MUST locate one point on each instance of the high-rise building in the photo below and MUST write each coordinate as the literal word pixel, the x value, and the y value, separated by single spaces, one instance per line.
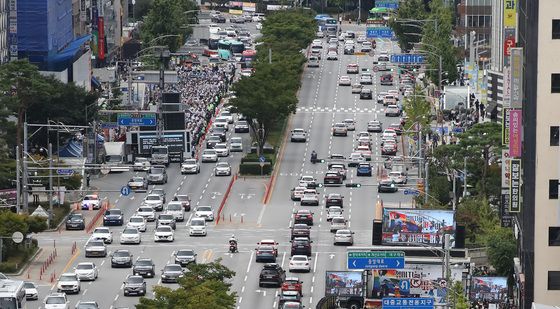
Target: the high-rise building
pixel 538 228
pixel 475 17
pixel 4 43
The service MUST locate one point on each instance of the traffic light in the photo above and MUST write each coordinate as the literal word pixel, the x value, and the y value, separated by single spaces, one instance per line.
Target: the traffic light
pixel 353 185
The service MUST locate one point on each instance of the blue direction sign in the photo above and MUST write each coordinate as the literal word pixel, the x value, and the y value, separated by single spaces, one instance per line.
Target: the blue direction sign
pixel 379 32
pixel 136 120
pixel 125 190
pixel 408 303
pixel 407 58
pixel 376 260
pixel 404 285
pixel 65 171
pixel 411 192
pixel 262 159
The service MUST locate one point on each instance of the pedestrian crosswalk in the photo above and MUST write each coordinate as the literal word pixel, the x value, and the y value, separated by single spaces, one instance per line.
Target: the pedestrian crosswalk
pixel 336 110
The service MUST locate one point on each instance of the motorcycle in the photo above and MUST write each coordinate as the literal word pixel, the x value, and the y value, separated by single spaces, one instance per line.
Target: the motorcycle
pixel 232 246
pixel 313 158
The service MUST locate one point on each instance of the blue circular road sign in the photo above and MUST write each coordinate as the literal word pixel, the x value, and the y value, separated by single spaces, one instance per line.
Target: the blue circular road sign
pixel 125 190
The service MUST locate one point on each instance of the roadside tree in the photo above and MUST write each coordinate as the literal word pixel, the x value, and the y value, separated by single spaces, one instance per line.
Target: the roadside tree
pixel 404 23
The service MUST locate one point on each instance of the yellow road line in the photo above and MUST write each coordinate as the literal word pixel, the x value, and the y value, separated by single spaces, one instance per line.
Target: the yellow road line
pixel 69 263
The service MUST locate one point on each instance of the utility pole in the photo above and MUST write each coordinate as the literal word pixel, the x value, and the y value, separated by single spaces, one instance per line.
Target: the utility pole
pixel 25 173
pixel 447 244
pixel 420 153
pixel 270 56
pixel 160 123
pixel 129 63
pixel 18 178
pixel 454 191
pixel 51 186
pixel 464 176
pixel 426 184
pixel 94 122
pixel 359 11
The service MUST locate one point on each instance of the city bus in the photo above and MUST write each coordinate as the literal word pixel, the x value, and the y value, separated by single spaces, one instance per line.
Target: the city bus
pixel 249 55
pixel 12 294
pixel 227 49
pixel 379 16
pixel 327 24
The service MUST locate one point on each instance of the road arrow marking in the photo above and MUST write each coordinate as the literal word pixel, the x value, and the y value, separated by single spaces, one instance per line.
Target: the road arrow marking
pixel 332 256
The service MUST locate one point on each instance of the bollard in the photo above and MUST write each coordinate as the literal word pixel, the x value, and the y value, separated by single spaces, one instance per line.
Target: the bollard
pixel 229 217
pixel 242 219
pixel 55 254
pixel 28 275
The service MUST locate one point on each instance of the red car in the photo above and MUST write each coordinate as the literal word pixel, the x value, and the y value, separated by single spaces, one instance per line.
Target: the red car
pixel 293 284
pixel 303 216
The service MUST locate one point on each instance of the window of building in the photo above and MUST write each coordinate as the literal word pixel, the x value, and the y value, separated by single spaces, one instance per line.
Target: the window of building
pixel 554 280
pixel 556 29
pixel 554 236
pixel 555 83
pixel 554 136
pixel 553 189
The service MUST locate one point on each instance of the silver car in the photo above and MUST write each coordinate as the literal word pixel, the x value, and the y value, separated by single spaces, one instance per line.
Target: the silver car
pixel 236 144
pixel 298 135
pixel 190 166
pixel 157 174
pixel 222 169
pixel 338 223
pixel 339 128
pixel 155 201
pixel 344 237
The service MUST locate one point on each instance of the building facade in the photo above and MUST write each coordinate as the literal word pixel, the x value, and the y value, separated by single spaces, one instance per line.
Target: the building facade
pixel 475 16
pixel 538 227
pixel 4 44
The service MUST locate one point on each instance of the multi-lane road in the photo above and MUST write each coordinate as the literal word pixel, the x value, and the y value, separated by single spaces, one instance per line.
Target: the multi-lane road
pixel 321 104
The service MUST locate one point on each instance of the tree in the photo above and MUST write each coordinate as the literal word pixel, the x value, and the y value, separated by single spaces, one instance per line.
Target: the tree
pixel 141 8
pixel 167 17
pixel 502 248
pixel 204 286
pixel 24 88
pixel 404 23
pixel 477 217
pixel 457 296
pixel 418 109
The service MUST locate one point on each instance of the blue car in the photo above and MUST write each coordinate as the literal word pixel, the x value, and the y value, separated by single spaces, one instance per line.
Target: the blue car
pixel 364 169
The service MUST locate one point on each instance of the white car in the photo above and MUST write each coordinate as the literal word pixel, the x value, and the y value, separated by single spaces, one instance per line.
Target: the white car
pixel 137 222
pixel 310 197
pixel 68 283
pixel 222 169
pixel 205 212
pixel 141 165
pixel 339 128
pixel 365 151
pixel 221 122
pixel 91 202
pixel 197 227
pixel 350 124
pixel 300 263
pixel 258 26
pixel 298 135
pixel 86 271
pixel 56 301
pixel 297 193
pixel 153 200
pixel 209 155
pixel 236 144
pixel 355 159
pixel 307 181
pixel 175 208
pixel 31 292
pixel 344 81
pixel 103 233
pixel 221 149
pixel 190 166
pixel 344 237
pixel 146 212
pixel 333 212
pixel 227 115
pixel 398 177
pixel 164 233
pixel 332 55
pixel 366 47
pixel 338 223
pixel 130 235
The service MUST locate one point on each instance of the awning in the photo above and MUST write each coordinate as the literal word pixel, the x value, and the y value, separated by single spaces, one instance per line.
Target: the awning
pixel 70 51
pixel 95 83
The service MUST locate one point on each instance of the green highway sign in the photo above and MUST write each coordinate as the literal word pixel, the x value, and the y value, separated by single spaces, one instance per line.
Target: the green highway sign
pixel 376 254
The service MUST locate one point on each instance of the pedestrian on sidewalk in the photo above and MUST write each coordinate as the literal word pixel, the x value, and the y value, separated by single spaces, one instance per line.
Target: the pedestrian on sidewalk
pixel 482 110
pixel 477 104
pixel 87 180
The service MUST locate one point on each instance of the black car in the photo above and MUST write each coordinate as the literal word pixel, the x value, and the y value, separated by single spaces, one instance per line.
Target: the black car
pixel 171 273
pixel 221 132
pixel 272 274
pixel 75 222
pixel 134 285
pixel 301 246
pixel 184 257
pixel 212 140
pixel 121 258
pixel 166 219
pixel 265 254
pixel 144 267
pixel 366 94
pixel 113 217
pixel 218 19
pixel 301 230
pixel 334 199
pixel 387 80
pixel 387 185
pixel 348 50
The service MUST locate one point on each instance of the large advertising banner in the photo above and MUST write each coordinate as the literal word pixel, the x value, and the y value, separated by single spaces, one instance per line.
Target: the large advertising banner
pixel 491 289
pixel 344 283
pixel 516 77
pixel 507 85
pixel 101 42
pixel 515 185
pixel 515 124
pixel 509 43
pixel 505 125
pixel 510 13
pixel 505 216
pixel 249 7
pixel 505 168
pixel 414 226
pixel 235 8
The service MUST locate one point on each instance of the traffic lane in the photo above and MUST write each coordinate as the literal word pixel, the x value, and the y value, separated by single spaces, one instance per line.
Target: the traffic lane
pixel 244 205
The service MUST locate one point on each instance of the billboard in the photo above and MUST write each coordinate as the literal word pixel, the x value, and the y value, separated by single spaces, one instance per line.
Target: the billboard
pixel 505 126
pixel 515 185
pixel 510 13
pixel 505 168
pixel 516 77
pixel 491 289
pixel 413 226
pixel 507 85
pixel 506 218
pixel 509 43
pixel 235 8
pixel 249 7
pixel 344 283
pixel 515 133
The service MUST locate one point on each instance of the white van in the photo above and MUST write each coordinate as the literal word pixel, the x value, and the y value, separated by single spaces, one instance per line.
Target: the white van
pixel 197 227
pixel 175 208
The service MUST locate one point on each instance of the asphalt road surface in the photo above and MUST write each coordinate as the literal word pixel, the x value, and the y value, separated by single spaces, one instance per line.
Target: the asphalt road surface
pixel 322 103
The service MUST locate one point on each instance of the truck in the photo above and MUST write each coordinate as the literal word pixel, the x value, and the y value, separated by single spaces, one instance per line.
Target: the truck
pixel 160 155
pixel 115 156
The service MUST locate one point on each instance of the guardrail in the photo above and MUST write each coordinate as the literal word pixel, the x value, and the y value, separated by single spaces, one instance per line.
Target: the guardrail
pixel 98 215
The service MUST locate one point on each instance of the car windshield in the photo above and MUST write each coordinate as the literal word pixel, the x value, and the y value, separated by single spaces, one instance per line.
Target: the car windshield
pixel 338 220
pixel 137 179
pixel 76 218
pixel 87 306
pixel 121 254
pixel 174 206
pixel 172 268
pixel 163 229
pixel 185 253
pixel 153 198
pixel 135 279
pixel 84 266
pixel 222 164
pixel 95 243
pixel 55 301
pixel 209 152
pixel 204 208
pixel 165 217
pixel 145 209
pixel 236 140
pixel 343 232
pixel 156 170
pixel 130 231
pixel 114 212
pixel 299 258
pixel 144 262
pixel 90 198
pixel 136 219
pixel 29 285
pixel 197 223
pixel 68 278
pixel 190 161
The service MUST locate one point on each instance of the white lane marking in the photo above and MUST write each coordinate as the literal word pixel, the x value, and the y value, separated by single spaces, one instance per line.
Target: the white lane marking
pixel 250 260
